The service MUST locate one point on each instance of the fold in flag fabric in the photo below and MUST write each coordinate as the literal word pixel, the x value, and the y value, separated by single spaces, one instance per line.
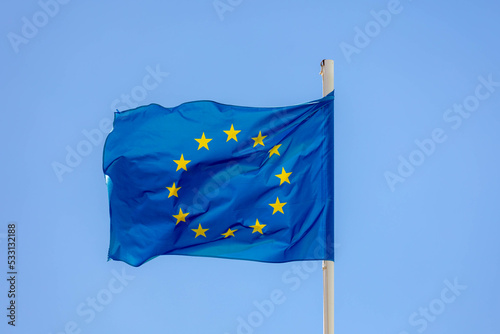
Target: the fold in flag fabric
pixel 216 180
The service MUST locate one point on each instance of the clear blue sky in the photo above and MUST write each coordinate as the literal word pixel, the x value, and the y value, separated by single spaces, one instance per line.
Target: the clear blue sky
pixel 417 168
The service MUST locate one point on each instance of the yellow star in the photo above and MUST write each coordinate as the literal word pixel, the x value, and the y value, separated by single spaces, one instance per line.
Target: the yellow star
pixel 231 133
pixel 274 150
pixel 283 176
pixel 200 231
pixel 229 233
pixel 203 141
pixel 257 227
pixel 278 206
pixel 181 217
pixel 182 163
pixel 258 139
pixel 173 190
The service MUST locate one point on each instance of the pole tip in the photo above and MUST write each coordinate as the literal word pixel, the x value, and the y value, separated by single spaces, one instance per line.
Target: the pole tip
pixel 324 63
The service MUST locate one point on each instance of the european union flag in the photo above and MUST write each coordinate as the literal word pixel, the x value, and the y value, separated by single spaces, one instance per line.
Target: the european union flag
pixel 209 179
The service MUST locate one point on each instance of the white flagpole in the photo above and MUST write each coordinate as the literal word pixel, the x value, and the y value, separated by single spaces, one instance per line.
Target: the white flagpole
pixel 328 286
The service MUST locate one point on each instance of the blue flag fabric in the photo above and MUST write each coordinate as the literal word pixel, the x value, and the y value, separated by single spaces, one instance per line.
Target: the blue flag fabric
pixel 209 179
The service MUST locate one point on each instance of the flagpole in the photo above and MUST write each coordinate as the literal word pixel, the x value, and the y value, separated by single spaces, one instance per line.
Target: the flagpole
pixel 328 272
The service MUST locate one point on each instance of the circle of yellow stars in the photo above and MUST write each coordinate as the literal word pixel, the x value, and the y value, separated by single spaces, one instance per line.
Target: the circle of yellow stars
pixel 232 134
